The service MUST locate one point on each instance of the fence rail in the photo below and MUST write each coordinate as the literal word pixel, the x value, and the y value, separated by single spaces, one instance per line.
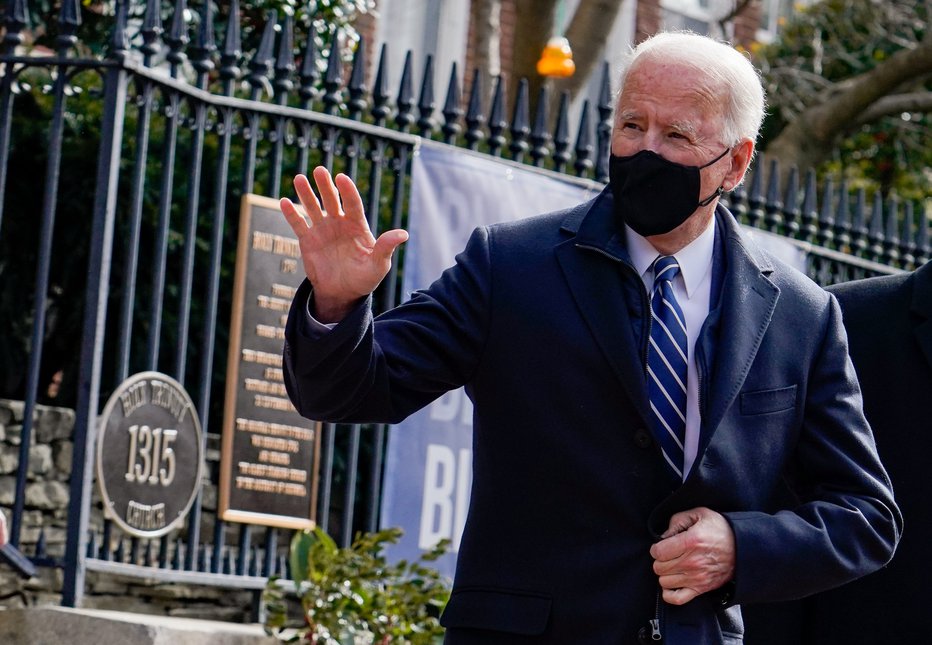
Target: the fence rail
pixel 139 277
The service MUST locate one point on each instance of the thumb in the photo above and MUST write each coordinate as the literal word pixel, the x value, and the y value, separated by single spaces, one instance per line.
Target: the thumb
pixel 680 522
pixel 387 243
pixel 679 596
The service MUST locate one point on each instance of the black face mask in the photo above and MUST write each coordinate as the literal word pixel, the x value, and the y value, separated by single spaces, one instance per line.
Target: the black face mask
pixel 652 195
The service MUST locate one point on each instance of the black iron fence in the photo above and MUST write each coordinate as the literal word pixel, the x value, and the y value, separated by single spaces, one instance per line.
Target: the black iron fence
pixel 126 265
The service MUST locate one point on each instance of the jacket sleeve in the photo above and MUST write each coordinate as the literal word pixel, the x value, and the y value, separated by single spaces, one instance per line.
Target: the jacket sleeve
pixel 383 369
pixel 847 523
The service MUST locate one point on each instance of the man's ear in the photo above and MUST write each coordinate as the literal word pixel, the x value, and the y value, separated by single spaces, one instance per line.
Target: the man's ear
pixel 740 156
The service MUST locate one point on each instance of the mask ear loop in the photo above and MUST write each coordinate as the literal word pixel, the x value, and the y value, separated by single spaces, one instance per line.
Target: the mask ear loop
pixel 708 200
pixel 725 152
pixel 721 189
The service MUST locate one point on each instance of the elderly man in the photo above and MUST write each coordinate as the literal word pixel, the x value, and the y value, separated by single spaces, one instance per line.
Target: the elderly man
pixel 644 380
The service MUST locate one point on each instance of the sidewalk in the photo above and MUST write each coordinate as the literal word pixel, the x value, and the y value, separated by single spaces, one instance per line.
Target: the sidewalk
pixel 56 625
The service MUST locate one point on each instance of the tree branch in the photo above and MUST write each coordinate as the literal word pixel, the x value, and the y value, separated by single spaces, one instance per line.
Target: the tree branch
pixel 807 139
pixel 896 104
pixel 863 90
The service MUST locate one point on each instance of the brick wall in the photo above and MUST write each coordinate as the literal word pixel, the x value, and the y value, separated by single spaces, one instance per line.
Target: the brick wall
pixel 365 25
pixel 746 24
pixel 509 18
pixel 648 19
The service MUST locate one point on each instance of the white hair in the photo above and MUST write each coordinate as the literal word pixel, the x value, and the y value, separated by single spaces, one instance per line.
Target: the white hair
pixel 720 67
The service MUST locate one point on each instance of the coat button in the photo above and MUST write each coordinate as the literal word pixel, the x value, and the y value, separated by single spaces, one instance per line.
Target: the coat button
pixel 642 438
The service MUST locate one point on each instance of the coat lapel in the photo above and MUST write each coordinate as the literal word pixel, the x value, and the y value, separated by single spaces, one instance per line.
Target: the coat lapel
pixel 747 303
pixel 592 263
pixel 922 309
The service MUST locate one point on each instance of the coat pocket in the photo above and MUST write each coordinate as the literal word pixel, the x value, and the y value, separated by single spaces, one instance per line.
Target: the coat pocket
pixel 767 401
pixel 503 610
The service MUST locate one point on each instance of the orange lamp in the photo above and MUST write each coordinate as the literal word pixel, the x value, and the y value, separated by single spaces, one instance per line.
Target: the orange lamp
pixel 557 59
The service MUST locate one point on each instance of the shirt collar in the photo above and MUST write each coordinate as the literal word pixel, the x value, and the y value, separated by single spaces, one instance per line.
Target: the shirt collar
pixel 695 259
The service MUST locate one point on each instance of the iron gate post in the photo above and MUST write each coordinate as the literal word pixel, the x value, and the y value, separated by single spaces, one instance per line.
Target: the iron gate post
pixel 95 310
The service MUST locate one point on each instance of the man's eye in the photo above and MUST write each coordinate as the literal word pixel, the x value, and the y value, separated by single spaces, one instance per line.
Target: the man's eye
pixel 630 126
pixel 678 135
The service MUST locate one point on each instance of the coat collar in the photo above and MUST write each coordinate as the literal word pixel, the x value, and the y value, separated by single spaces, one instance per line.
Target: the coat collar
pixel 593 225
pixel 594 260
pixel 921 308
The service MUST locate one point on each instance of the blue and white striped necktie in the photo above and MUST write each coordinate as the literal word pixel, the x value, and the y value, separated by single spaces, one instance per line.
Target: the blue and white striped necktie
pixel 666 364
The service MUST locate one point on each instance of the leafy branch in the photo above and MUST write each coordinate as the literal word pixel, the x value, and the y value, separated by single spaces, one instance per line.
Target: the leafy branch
pixel 355 593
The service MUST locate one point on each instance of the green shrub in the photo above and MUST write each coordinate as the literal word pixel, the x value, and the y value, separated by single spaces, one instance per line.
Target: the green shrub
pixel 354 595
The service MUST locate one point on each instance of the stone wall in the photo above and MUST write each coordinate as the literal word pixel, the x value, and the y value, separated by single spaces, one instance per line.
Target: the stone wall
pixel 46 515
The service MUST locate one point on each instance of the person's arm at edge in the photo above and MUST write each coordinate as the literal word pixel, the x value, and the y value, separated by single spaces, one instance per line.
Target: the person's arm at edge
pixel 848 524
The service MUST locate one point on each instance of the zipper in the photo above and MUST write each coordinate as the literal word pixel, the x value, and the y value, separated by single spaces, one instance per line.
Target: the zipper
pixel 700 370
pixel 655 633
pixel 700 364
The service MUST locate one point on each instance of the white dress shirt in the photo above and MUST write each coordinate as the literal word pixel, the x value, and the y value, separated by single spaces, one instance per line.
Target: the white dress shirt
pixel 692 288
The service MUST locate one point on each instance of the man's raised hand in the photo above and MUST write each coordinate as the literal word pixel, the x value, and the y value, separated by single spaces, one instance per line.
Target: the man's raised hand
pixel 342 259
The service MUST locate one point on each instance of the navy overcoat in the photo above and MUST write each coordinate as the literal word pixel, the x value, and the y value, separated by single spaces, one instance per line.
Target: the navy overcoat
pixel 543 321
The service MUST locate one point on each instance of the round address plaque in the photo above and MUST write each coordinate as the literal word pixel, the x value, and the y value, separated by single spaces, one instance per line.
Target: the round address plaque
pixel 149 454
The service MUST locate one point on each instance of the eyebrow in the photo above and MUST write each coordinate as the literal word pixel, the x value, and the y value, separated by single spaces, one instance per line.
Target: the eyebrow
pixel 684 127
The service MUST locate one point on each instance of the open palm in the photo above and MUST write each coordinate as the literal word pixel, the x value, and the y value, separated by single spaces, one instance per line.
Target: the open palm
pixel 342 259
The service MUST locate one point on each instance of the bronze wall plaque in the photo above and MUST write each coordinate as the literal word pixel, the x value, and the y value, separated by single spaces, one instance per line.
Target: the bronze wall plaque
pixel 149 459
pixel 268 465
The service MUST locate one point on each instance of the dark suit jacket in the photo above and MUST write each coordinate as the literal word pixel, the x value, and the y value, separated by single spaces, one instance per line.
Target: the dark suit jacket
pixel 889 323
pixel 543 321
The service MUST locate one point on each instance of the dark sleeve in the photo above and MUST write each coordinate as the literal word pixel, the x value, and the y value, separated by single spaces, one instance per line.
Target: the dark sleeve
pixel 384 369
pixel 847 524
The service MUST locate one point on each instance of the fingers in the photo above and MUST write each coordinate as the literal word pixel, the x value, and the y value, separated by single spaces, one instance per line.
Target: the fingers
pixel 329 195
pixel 670 548
pixel 699 570
pixel 673 541
pixel 338 195
pixel 350 198
pixel 674 581
pixel 292 216
pixel 308 199
pixel 682 586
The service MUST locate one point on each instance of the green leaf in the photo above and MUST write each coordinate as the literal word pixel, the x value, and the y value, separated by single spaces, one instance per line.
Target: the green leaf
pixel 355 592
pixel 325 540
pixel 299 555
